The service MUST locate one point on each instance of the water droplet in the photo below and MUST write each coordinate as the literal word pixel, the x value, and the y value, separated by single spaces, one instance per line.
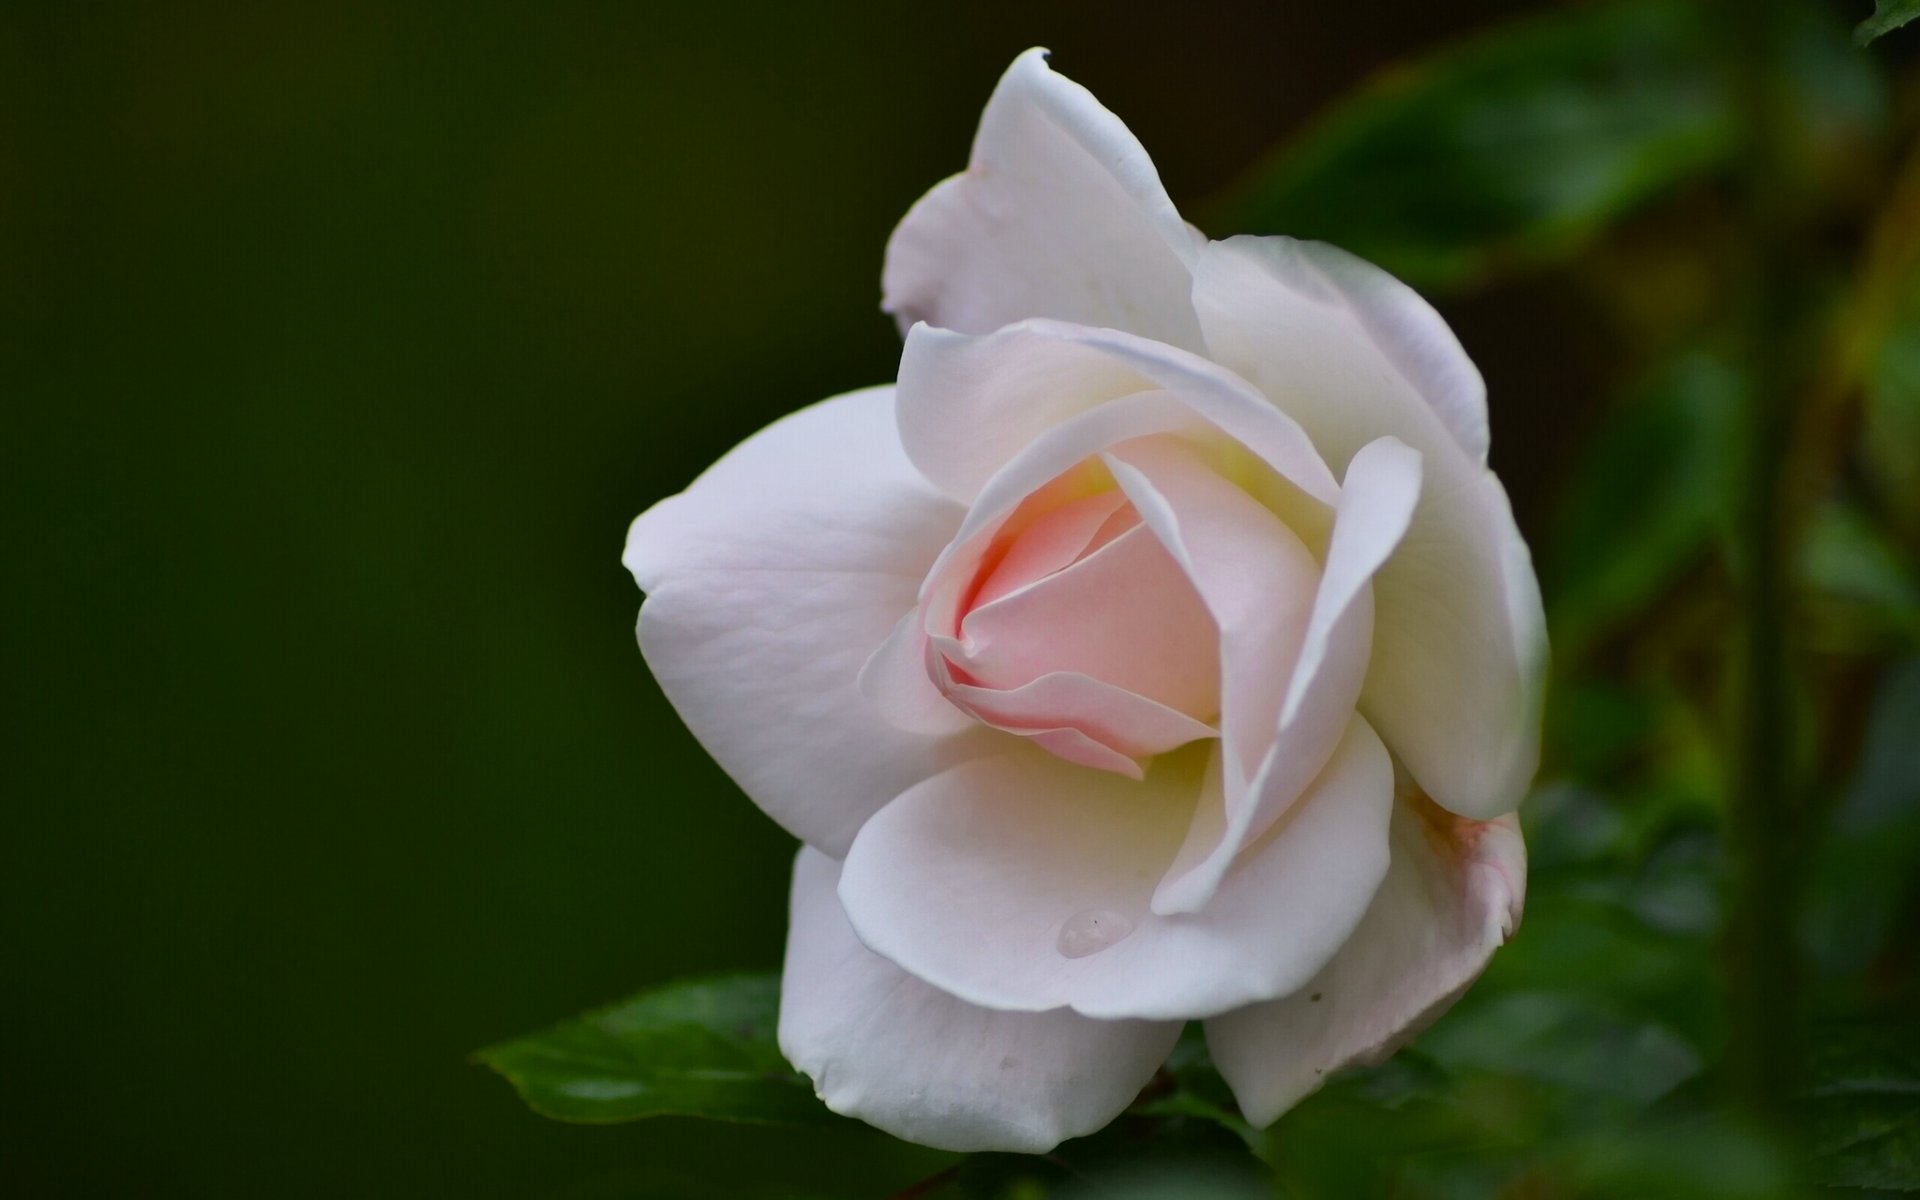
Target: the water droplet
pixel 1091 931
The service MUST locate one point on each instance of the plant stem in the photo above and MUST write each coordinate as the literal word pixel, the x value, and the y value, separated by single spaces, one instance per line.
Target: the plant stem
pixel 1764 1052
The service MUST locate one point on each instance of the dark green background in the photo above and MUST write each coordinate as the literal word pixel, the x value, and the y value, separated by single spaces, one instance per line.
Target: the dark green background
pixel 338 344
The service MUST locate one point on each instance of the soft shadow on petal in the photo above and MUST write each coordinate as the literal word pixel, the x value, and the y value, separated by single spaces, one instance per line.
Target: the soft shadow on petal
pixel 1451 898
pixel 769 583
pixel 896 1053
pixel 980 880
pixel 1457 675
pixel 1059 213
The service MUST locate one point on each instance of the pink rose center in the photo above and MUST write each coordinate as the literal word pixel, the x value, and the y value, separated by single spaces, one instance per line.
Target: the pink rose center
pixel 1080 631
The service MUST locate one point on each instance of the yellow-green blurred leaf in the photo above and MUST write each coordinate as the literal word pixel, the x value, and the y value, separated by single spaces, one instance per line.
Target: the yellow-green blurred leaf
pixel 1862 593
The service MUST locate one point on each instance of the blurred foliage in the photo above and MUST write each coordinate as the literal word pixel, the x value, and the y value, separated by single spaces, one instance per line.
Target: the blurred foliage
pixel 1891 442
pixel 1647 499
pixel 1522 145
pixel 1888 15
pixel 1863 1106
pixel 1865 892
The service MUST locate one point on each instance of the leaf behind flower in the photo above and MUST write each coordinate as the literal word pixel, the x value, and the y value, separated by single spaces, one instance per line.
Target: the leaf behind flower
pixel 1521 145
pixel 1888 15
pixel 704 1048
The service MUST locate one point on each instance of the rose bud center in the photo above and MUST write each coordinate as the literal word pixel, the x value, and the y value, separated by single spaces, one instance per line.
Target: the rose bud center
pixel 1079 630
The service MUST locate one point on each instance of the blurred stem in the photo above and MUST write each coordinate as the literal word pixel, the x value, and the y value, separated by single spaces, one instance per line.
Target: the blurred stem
pixel 1764 1051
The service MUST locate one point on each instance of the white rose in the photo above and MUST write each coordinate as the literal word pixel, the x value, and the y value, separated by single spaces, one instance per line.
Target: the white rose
pixel 1158 648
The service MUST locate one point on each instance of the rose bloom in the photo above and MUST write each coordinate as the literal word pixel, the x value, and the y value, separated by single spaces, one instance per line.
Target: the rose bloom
pixel 1158 648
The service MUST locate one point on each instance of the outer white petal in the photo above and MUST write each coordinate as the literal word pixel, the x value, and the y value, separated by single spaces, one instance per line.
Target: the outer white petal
pixel 1377 499
pixel 969 405
pixel 769 583
pixel 1458 676
pixel 1059 213
pixel 1459 655
pixel 969 881
pixel 1414 338
pixel 1452 897
pixel 886 1048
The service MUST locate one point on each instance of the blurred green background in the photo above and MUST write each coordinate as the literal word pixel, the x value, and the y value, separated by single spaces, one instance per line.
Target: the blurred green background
pixel 340 343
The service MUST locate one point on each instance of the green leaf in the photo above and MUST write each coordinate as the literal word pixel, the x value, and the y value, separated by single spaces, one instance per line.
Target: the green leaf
pixel 1521 145
pixel 1864 1106
pixel 695 1049
pixel 1888 15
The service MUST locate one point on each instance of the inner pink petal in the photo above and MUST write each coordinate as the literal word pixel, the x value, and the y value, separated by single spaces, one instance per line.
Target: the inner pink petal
pixel 1124 519
pixel 1126 614
pixel 1052 543
pixel 1129 723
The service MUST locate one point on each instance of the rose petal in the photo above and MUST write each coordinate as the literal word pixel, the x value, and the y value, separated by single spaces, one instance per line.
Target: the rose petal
pixel 1125 614
pixel 1125 722
pixel 896 685
pixel 1459 655
pixel 1458 675
pixel 995 881
pixel 1253 573
pixel 886 1048
pixel 1402 327
pixel 1452 897
pixel 1052 543
pixel 1060 213
pixel 769 582
pixel 1061 462
pixel 970 405
pixel 1085 750
pixel 1377 499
